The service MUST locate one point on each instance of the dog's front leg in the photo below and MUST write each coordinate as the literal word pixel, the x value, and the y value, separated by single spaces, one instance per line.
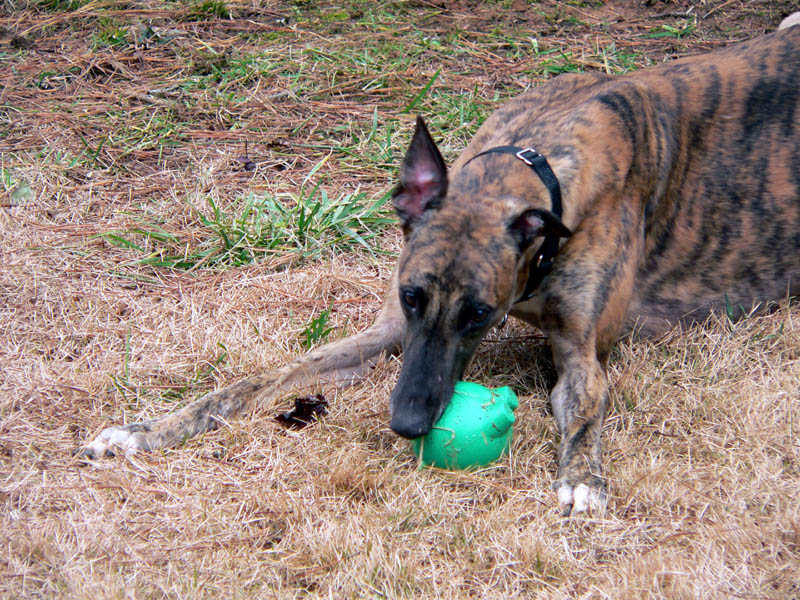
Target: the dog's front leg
pixel 584 304
pixel 340 362
pixel 579 402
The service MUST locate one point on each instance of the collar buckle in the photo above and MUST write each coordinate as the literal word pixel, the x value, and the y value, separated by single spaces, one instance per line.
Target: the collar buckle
pixel 528 155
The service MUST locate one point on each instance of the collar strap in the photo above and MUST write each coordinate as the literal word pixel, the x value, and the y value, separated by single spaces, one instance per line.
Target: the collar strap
pixel 543 259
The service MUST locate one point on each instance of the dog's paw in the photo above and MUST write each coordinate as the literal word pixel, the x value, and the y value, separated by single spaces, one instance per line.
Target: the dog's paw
pixel 128 439
pixel 581 498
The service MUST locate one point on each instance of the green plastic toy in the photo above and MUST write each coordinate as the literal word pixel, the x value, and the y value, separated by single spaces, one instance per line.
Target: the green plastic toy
pixel 474 430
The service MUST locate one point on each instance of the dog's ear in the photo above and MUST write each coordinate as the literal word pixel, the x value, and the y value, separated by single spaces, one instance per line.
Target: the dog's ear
pixel 423 178
pixel 534 223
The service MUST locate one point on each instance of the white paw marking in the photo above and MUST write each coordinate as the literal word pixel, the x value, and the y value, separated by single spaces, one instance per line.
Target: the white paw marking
pixel 114 438
pixel 565 494
pixel 582 499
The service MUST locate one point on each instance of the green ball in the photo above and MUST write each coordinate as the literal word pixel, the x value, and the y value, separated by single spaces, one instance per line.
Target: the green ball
pixel 474 430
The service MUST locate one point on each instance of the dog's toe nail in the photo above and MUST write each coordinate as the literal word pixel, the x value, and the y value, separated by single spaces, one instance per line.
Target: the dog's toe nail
pixel 84 456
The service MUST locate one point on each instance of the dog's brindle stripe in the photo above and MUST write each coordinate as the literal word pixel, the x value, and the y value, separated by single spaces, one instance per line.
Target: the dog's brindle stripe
pixel 681 187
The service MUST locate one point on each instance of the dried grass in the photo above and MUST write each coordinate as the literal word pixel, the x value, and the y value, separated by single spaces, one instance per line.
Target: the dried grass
pixel 701 446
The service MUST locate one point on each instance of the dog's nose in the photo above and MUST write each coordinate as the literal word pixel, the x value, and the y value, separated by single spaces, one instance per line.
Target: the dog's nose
pixel 410 428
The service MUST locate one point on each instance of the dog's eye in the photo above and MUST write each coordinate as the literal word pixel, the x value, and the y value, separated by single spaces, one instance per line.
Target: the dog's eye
pixel 477 315
pixel 411 299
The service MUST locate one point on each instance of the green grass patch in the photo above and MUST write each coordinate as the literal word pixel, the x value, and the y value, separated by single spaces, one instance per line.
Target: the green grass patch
pixel 266 226
pixel 109 34
pixel 209 9
pixel 679 32
pixel 317 330
pixel 62 5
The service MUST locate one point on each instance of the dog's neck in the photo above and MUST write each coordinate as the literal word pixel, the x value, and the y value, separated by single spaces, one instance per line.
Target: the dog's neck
pixel 542 260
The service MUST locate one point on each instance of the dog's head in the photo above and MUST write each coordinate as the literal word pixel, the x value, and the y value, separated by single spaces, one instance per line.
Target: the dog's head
pixel 468 247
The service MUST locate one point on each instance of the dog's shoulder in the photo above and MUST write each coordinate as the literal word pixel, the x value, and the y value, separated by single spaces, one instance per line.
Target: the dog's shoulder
pixel 517 121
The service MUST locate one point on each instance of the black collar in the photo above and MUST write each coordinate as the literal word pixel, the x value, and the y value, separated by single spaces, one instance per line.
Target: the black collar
pixel 543 260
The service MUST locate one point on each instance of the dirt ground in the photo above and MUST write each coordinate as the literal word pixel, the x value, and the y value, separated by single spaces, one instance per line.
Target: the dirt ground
pixel 138 143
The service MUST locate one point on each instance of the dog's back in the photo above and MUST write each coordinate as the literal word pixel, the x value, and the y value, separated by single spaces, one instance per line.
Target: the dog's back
pixel 723 222
pixel 708 147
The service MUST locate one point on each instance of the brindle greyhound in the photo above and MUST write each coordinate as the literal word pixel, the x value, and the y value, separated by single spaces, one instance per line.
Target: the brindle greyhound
pixel 658 195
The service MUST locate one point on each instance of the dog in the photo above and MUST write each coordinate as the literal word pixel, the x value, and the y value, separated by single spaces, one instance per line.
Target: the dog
pixel 589 207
